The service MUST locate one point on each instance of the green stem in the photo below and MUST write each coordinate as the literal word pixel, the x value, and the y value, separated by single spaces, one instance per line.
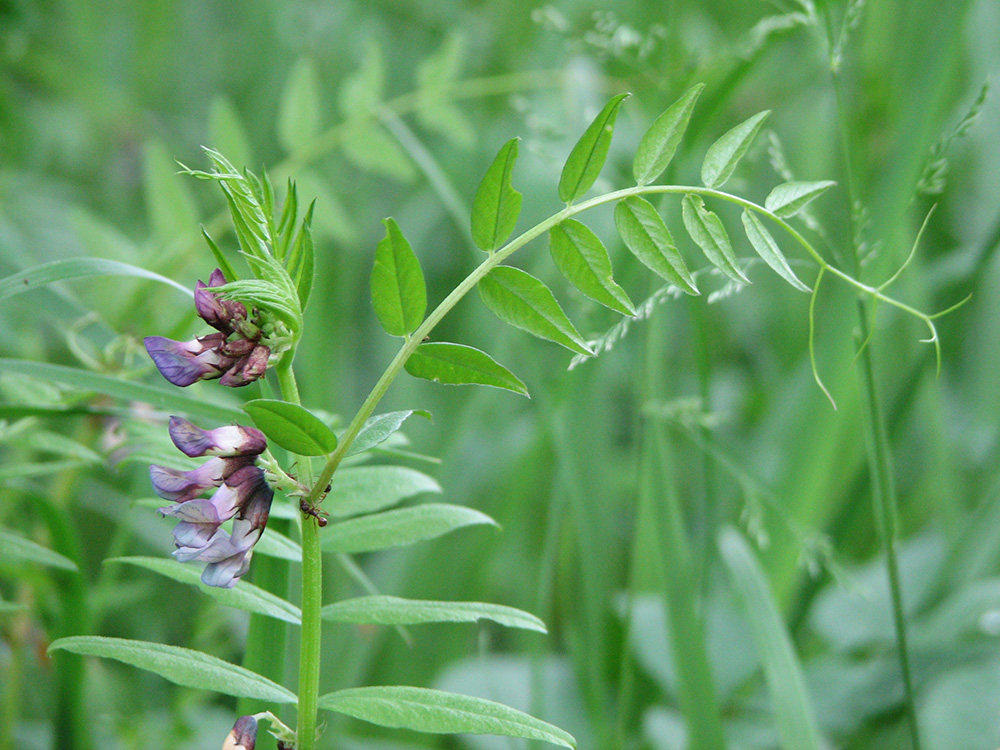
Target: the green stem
pixel 309 649
pixel 494 259
pixel 312 592
pixel 883 484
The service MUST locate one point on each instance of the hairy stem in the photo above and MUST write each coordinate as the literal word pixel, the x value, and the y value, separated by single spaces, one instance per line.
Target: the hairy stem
pixel 309 650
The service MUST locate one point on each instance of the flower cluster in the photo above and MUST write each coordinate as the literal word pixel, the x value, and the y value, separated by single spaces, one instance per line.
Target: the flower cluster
pixel 241 494
pixel 235 354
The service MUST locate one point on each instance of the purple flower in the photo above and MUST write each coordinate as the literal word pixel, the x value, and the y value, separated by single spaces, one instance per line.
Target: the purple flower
pixel 199 535
pixel 187 362
pixel 232 440
pixel 243 735
pixel 243 496
pixel 235 353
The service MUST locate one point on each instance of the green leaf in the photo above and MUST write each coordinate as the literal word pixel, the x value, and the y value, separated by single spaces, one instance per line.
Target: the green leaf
pixel 435 711
pixel 381 426
pixel 181 666
pixel 647 237
pixel 496 206
pixel 226 132
pixel 299 108
pixel 372 149
pixel 521 300
pixel 364 489
pixel 398 292
pixel 16 549
pixel 77 268
pixel 391 610
pixel 363 89
pixel 435 110
pixel 243 596
pixel 399 528
pixel 660 142
pixel 172 401
pixel 706 229
pixel 274 544
pixel 171 208
pixel 582 258
pixel 793 710
pixel 457 364
pixel 292 427
pixel 220 259
pixel 767 249
pixel 587 157
pixel 302 259
pixel 723 155
pixel 789 198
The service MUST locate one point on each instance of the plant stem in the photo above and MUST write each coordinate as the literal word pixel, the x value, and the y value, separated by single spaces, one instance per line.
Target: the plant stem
pixel 309 650
pixel 312 591
pixel 494 259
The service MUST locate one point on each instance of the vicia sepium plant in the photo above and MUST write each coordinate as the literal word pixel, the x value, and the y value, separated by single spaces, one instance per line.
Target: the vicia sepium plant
pixel 257 317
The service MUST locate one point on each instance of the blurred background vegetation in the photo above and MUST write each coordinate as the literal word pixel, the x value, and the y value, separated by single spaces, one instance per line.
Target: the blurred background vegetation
pixel 703 418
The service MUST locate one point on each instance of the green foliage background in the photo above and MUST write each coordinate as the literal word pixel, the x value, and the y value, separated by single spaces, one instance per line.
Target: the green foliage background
pixel 98 99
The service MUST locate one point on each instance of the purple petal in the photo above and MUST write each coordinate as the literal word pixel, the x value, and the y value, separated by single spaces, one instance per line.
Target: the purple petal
pixel 182 363
pixel 226 573
pixel 180 486
pixel 232 440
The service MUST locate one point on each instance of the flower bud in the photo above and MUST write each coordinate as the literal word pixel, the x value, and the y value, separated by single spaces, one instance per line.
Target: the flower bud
pixel 243 735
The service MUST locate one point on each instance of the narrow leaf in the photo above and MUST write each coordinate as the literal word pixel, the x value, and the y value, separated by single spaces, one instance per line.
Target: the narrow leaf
pixel 172 401
pixel 292 427
pixel 220 259
pixel 767 249
pixel 789 198
pixel 364 489
pixel 391 610
pixel 302 259
pixel 793 710
pixel 647 237
pixel 398 292
pixel 521 300
pixel 706 229
pixel 582 258
pixel 457 364
pixel 16 549
pixel 77 268
pixel 723 155
pixel 399 528
pixel 660 142
pixel 587 157
pixel 496 206
pixel 379 427
pixel 299 109
pixel 435 711
pixel 243 596
pixel 181 666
